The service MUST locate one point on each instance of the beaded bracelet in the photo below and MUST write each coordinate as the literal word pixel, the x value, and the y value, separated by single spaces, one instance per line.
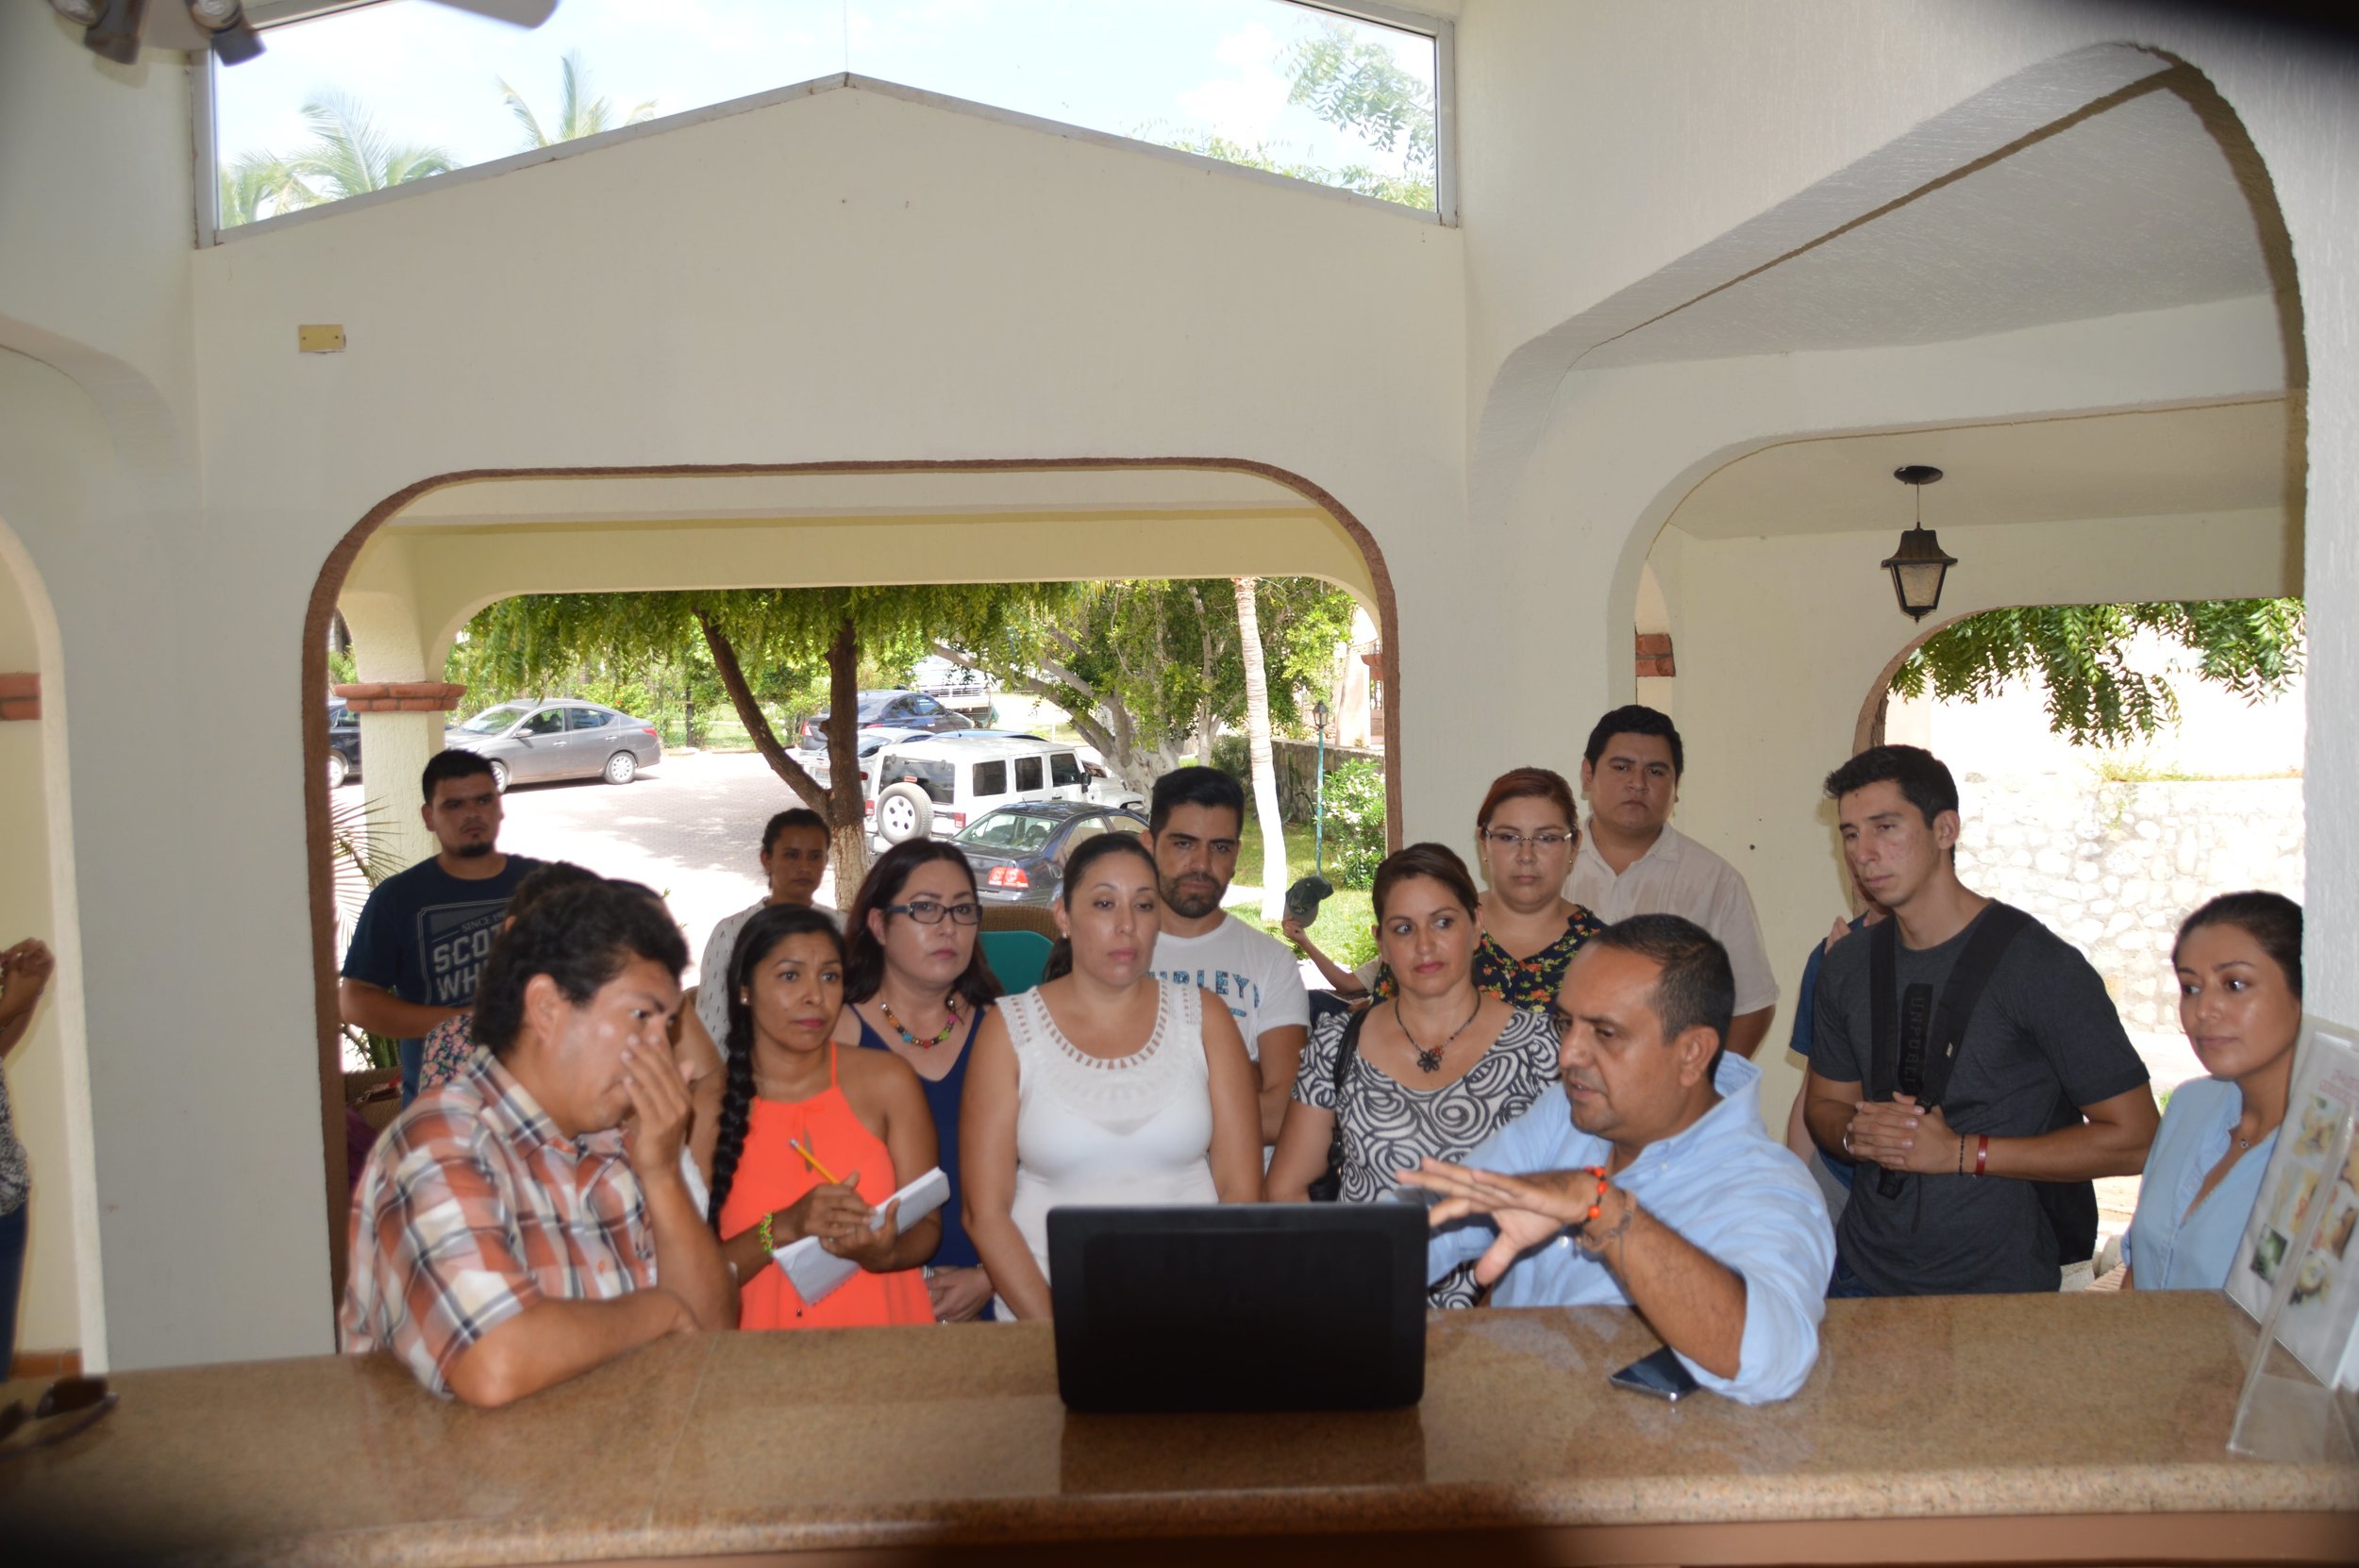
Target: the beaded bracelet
pixel 762 1234
pixel 1597 1203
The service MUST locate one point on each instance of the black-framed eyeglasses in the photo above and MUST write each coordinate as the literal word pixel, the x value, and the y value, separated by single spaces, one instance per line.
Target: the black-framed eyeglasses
pixel 926 912
pixel 66 1406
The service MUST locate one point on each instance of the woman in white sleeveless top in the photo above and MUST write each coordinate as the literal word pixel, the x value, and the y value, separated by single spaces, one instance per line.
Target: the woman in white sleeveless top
pixel 1105 1085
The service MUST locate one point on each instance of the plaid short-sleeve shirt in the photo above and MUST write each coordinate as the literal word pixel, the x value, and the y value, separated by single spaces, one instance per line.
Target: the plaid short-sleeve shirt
pixel 474 1207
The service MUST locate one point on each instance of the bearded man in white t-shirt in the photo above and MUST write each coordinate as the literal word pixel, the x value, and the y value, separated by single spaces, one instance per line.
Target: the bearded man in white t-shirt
pixel 1193 823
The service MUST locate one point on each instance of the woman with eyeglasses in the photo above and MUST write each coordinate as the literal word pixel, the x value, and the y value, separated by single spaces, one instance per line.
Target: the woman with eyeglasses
pixel 815 1139
pixel 1528 930
pixel 1104 1084
pixel 916 984
pixel 1429 1072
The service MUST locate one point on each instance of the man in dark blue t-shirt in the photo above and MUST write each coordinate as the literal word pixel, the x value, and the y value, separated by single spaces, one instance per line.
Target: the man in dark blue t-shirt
pixel 419 947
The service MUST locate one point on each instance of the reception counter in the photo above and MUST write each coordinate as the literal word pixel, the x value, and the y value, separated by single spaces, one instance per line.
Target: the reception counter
pixel 2086 1428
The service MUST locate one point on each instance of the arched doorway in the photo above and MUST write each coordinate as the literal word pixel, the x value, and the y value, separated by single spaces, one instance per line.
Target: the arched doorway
pixel 409 576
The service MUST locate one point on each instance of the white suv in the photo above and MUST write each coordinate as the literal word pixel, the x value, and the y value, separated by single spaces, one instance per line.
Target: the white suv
pixel 934 787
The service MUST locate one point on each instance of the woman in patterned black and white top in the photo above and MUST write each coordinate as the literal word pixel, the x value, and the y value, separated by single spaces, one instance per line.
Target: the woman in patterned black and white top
pixel 1437 1068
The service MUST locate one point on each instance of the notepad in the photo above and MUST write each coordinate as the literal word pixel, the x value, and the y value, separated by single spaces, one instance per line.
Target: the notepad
pixel 817 1273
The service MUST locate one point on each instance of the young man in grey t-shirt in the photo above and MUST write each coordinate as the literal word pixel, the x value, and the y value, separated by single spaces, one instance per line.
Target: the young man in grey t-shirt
pixel 2043 1041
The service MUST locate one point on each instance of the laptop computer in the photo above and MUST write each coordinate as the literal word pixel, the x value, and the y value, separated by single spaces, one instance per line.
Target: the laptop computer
pixel 1240 1307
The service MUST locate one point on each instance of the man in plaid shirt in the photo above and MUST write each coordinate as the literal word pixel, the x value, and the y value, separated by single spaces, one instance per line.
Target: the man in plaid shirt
pixel 528 1220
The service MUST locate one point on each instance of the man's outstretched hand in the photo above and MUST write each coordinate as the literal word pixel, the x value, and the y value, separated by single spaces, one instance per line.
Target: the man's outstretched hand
pixel 1528 1210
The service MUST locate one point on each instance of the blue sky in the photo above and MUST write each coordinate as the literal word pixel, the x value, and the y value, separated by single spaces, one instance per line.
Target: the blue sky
pixel 1163 68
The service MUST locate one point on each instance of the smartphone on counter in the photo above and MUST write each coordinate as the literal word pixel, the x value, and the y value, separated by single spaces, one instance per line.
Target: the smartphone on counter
pixel 1662 1375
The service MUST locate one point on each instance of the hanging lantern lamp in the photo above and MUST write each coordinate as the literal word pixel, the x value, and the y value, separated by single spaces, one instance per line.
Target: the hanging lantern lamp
pixel 1919 566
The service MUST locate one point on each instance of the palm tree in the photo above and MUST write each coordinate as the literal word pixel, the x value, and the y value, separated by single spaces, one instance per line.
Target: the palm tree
pixel 258 185
pixel 578 114
pixel 1258 750
pixel 349 156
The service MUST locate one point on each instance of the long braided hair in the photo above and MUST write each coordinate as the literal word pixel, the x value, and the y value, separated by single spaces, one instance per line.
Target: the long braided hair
pixel 756 942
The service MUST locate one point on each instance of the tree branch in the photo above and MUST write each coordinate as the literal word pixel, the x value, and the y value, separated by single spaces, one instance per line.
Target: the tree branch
pixel 756 722
pixel 1092 731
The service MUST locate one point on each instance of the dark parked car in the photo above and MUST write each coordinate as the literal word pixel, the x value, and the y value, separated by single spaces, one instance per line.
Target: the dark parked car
pixel 1018 852
pixel 895 709
pixel 531 741
pixel 344 741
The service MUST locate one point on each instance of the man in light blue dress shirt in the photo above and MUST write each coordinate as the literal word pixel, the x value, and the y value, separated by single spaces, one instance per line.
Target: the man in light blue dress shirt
pixel 1706 1225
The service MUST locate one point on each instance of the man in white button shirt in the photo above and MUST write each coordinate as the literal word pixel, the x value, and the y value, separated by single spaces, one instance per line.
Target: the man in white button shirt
pixel 1632 861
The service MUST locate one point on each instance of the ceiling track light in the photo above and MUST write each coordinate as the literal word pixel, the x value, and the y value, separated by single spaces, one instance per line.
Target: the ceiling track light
pixel 115 34
pixel 229 34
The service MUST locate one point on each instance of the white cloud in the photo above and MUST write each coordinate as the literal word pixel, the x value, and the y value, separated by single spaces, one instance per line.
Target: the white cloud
pixel 1244 107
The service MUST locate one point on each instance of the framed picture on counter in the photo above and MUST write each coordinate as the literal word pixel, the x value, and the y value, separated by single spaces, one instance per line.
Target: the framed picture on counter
pixel 2304 1221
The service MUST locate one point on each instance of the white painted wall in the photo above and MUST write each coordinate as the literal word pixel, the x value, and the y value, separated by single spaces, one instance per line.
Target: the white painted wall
pixel 1578 183
pixel 859 275
pixel 907 283
pixel 1773 677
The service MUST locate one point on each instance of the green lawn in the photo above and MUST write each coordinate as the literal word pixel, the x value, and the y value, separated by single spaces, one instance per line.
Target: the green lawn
pixel 1345 929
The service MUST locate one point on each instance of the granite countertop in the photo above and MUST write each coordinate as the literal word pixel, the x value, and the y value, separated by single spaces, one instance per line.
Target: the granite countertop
pixel 1944 1408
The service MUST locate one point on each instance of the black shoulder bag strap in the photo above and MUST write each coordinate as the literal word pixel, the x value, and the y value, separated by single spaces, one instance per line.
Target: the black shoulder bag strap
pixel 1913 1056
pixel 1329 1186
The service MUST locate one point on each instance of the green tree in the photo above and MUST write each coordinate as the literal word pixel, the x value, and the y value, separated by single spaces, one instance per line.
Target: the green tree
pixel 539 639
pixel 1355 85
pixel 2253 647
pixel 578 114
pixel 1140 665
pixel 350 155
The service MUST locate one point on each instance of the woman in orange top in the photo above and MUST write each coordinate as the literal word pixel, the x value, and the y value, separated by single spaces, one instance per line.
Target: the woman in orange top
pixel 860 1114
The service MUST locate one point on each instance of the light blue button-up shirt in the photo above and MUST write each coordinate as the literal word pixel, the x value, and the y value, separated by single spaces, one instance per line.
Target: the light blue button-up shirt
pixel 1724 1184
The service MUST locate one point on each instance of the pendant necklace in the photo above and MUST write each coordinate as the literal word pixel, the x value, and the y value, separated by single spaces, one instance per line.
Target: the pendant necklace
pixel 1431 1061
pixel 912 1041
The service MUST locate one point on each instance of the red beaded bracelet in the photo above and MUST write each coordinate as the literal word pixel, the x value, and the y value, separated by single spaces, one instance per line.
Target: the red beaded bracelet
pixel 1597 1205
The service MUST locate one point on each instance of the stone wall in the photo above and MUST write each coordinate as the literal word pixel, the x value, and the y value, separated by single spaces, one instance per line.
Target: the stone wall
pixel 2114 867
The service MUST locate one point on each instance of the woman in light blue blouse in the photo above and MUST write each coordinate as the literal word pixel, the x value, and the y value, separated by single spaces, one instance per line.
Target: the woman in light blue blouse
pixel 2239 963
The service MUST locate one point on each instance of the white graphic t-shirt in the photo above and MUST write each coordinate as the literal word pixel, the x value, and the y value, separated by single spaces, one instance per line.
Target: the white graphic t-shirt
pixel 1251 970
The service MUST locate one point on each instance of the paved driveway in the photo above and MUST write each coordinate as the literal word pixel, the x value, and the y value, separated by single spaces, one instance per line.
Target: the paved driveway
pixel 691 829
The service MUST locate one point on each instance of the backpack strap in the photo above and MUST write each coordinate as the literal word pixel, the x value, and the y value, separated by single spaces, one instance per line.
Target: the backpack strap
pixel 1994 933
pixel 1883 1009
pixel 1916 1062
pixel 1995 930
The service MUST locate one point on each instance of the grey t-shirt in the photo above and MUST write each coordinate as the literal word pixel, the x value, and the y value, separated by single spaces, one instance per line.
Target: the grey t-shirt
pixel 2043 1036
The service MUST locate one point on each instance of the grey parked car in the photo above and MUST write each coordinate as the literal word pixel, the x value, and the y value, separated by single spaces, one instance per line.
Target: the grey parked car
pixel 528 742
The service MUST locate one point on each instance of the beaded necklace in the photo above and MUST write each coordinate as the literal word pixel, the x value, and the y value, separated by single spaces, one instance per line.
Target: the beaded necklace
pixel 912 1041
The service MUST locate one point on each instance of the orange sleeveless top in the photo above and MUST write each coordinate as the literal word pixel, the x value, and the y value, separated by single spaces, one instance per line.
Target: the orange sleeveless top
pixel 770 1176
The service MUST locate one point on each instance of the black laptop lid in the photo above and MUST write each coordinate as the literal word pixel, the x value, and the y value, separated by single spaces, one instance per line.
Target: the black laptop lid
pixel 1240 1307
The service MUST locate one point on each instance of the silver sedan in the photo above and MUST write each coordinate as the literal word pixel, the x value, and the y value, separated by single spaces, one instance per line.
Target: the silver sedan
pixel 528 742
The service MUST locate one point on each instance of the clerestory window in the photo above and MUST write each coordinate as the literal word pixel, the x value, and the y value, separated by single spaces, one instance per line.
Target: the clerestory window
pixel 358 97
